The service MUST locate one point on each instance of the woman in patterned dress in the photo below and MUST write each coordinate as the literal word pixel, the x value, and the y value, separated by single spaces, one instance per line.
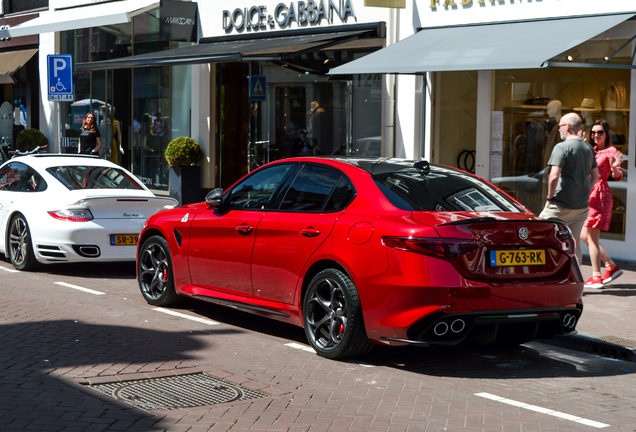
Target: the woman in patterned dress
pixel 608 159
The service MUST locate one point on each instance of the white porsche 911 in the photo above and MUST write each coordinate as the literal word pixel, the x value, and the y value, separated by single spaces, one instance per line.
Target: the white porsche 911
pixel 71 208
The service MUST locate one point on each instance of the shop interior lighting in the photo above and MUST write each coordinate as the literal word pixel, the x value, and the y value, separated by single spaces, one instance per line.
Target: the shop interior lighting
pixel 608 54
pixel 323 57
pixel 573 55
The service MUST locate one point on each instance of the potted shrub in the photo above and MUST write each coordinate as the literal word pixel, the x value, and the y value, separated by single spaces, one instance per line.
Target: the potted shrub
pixel 29 139
pixel 184 175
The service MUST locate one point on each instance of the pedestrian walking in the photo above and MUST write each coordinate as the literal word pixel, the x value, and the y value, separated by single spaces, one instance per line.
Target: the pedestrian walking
pixel 609 160
pixel 573 170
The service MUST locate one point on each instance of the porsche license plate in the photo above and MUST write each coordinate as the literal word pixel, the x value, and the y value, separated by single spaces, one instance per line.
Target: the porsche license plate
pixel 124 239
pixel 510 258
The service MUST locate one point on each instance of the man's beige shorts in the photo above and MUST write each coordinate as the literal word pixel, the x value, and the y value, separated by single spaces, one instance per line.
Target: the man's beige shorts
pixel 574 218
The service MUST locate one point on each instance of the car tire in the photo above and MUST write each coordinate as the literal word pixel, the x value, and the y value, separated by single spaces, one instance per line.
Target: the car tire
pixel 20 244
pixel 332 316
pixel 154 273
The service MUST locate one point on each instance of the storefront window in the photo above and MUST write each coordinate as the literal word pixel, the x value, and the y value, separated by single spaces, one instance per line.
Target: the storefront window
pixel 299 113
pixel 366 116
pixel 455 115
pixel 532 102
pixel 137 111
pixel 152 125
pixel 181 89
pixel 312 115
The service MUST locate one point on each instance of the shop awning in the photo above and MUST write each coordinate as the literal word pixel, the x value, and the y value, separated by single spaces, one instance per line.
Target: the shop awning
pixel 98 15
pixel 514 45
pixel 11 61
pixel 275 46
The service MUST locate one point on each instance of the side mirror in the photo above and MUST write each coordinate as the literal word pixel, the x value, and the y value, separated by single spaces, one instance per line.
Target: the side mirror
pixel 213 198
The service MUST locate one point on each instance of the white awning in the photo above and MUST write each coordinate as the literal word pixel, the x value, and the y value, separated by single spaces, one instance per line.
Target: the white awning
pixel 98 15
pixel 514 45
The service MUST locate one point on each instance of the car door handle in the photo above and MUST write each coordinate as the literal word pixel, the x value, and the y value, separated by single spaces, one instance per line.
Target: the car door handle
pixel 244 229
pixel 310 232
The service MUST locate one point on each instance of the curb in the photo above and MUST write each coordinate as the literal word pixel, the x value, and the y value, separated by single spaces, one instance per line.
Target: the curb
pixel 604 346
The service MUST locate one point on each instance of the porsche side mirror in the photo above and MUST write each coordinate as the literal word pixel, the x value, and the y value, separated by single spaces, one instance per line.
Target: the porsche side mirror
pixel 213 198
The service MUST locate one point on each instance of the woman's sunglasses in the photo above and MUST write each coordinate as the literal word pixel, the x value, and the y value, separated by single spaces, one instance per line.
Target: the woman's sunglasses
pixel 599 133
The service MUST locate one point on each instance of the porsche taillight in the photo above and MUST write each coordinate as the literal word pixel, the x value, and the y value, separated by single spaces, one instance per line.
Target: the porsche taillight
pixel 445 248
pixel 72 215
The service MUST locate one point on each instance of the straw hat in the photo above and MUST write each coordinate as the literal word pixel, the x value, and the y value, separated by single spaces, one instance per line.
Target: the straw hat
pixel 586 105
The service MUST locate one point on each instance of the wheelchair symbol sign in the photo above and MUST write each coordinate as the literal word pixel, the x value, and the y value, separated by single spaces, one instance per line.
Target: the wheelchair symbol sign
pixel 60 77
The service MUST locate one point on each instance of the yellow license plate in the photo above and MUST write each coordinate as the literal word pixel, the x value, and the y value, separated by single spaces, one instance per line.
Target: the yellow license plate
pixel 124 239
pixel 510 258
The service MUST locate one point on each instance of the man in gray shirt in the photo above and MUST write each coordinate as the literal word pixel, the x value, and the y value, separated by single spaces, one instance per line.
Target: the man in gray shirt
pixel 573 172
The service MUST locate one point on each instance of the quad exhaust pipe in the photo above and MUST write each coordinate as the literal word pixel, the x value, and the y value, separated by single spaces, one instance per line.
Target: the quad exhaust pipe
pixel 442 327
pixel 569 321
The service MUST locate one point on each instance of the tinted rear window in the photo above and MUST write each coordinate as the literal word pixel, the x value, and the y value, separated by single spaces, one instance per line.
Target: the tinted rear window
pixel 441 190
pixel 92 177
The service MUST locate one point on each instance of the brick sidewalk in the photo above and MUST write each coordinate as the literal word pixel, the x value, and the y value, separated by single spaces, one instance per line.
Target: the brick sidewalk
pixel 608 316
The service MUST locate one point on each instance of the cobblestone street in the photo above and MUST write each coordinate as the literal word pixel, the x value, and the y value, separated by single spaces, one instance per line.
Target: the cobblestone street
pixel 58 341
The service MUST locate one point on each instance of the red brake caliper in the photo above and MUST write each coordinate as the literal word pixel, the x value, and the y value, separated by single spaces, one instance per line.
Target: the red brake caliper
pixel 342 328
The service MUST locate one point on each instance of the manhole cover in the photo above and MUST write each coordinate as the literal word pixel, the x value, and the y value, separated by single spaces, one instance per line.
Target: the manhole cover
pixel 162 394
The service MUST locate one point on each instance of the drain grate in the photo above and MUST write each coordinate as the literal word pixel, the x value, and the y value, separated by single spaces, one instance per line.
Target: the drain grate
pixel 627 343
pixel 163 394
pixel 612 347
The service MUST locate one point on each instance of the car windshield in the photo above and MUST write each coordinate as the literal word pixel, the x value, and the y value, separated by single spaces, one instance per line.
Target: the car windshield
pixel 93 177
pixel 441 190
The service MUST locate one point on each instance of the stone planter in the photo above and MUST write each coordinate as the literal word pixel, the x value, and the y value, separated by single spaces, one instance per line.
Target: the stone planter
pixel 184 184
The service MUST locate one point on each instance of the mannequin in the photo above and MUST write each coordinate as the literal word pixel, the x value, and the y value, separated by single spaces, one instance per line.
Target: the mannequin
pixel 554 110
pixel 110 129
pixel 315 122
pixel 586 109
pixel 117 142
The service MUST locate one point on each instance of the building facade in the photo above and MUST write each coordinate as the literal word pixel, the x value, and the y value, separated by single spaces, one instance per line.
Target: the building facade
pixel 477 84
pixel 498 76
pixel 251 84
pixel 19 72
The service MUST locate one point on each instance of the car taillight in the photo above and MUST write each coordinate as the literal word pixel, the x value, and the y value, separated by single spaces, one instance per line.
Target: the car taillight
pixel 566 240
pixel 72 215
pixel 445 248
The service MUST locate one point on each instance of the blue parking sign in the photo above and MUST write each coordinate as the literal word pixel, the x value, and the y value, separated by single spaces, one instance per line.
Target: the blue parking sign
pixel 60 77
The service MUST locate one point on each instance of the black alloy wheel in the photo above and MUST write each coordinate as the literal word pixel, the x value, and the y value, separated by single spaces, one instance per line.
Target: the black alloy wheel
pixel 154 273
pixel 20 250
pixel 333 316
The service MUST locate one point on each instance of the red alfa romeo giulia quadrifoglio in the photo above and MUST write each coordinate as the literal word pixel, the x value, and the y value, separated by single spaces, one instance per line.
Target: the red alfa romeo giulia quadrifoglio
pixel 363 251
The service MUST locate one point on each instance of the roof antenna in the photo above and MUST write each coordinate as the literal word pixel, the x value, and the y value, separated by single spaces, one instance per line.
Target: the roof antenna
pixel 423 167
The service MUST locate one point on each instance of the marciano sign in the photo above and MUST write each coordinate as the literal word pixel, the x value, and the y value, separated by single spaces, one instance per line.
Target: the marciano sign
pixel 301 12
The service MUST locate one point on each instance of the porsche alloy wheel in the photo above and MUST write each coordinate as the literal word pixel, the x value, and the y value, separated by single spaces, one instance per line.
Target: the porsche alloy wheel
pixel 333 316
pixel 20 245
pixel 154 273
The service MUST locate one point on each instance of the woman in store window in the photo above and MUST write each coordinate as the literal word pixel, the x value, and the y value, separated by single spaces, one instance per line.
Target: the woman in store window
pixel 90 138
pixel 608 159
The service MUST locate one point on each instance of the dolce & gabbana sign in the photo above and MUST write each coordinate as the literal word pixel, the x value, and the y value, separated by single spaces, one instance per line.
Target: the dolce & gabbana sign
pixel 284 14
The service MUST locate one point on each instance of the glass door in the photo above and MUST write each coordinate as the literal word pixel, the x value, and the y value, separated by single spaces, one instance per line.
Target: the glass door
pixel 151 125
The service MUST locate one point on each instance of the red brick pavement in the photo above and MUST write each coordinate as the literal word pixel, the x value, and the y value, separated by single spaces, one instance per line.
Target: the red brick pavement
pixel 611 311
pixel 53 340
